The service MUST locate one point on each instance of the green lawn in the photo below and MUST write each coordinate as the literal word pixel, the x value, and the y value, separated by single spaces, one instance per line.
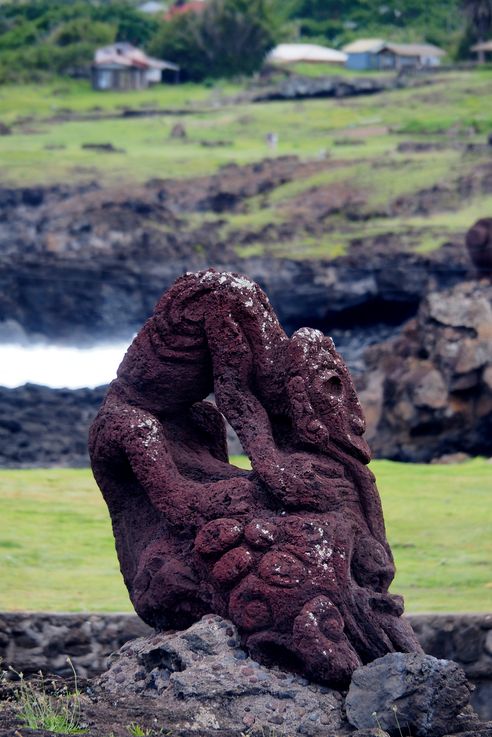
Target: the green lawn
pixel 45 149
pixel 57 553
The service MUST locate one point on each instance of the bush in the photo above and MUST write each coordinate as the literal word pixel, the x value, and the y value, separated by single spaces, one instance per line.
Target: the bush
pixel 41 37
pixel 83 30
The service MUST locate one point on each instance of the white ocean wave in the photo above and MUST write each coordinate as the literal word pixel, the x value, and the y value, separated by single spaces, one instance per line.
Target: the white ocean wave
pixel 59 366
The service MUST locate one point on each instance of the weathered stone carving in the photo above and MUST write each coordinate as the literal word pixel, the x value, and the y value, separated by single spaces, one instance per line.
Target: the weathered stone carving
pixel 294 552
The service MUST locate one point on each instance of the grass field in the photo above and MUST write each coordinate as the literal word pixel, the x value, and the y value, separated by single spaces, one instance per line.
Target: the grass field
pixel 44 147
pixel 57 553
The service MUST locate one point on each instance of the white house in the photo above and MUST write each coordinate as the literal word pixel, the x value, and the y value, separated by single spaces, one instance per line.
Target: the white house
pixel 294 53
pixel 374 53
pixel 122 66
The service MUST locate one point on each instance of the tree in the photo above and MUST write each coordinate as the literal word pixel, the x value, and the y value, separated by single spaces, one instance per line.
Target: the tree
pixel 83 30
pixel 226 38
pixel 479 13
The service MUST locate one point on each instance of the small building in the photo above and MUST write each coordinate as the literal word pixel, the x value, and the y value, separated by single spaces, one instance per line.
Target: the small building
pixel 374 53
pixel 409 56
pixel 181 7
pixel 481 49
pixel 310 53
pixel 151 7
pixel 122 66
pixel 363 53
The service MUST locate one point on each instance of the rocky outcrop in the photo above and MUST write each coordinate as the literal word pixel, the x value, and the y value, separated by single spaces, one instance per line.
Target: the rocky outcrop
pixel 414 692
pixel 40 426
pixel 84 264
pixel 81 264
pixel 428 392
pixel 207 681
pixel 298 87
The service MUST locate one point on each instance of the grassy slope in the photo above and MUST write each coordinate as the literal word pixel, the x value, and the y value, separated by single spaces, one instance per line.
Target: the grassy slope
pixel 56 548
pixel 306 128
pixel 44 149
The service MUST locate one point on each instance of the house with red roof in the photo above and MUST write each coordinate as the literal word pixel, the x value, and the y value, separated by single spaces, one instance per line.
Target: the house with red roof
pixel 122 66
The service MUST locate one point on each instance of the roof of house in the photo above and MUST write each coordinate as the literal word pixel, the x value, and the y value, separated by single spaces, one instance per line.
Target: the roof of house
pixel 483 46
pixel 195 6
pixel 413 49
pixel 125 55
pixel 290 53
pixel 152 7
pixel 364 45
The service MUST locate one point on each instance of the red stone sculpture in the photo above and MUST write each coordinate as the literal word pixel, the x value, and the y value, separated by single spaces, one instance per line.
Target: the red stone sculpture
pixel 294 552
pixel 479 244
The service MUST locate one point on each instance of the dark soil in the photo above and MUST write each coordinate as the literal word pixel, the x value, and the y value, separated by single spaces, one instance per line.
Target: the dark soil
pixel 96 715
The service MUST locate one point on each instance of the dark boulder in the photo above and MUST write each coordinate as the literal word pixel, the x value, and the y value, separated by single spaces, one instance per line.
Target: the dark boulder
pixel 412 692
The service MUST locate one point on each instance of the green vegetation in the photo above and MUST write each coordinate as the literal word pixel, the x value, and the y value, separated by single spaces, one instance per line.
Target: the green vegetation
pixel 57 551
pixel 226 39
pixel 41 710
pixel 135 730
pixel 413 20
pixel 45 37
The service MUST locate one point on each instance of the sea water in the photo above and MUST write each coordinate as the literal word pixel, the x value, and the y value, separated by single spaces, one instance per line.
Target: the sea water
pixel 59 366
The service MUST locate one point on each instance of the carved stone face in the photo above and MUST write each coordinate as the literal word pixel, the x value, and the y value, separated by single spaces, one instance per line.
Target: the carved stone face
pixel 330 388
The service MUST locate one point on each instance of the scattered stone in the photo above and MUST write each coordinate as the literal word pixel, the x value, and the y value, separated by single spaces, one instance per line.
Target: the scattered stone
pixel 451 458
pixel 5 130
pixel 178 131
pixel 298 87
pixel 106 147
pixel 349 142
pixel 194 674
pixel 424 694
pixel 215 144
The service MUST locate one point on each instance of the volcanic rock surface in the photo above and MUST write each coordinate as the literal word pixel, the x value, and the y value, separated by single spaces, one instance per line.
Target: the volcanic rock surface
pixel 204 678
pixel 428 392
pixel 81 264
pixel 40 426
pixel 411 692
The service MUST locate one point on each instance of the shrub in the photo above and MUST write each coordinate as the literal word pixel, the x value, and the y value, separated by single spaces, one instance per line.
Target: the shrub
pixel 228 38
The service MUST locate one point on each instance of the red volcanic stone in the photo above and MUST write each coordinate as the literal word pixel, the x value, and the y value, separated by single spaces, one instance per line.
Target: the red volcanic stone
pixel 260 533
pixel 479 245
pixel 281 569
pixel 232 565
pixel 217 536
pixel 294 552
